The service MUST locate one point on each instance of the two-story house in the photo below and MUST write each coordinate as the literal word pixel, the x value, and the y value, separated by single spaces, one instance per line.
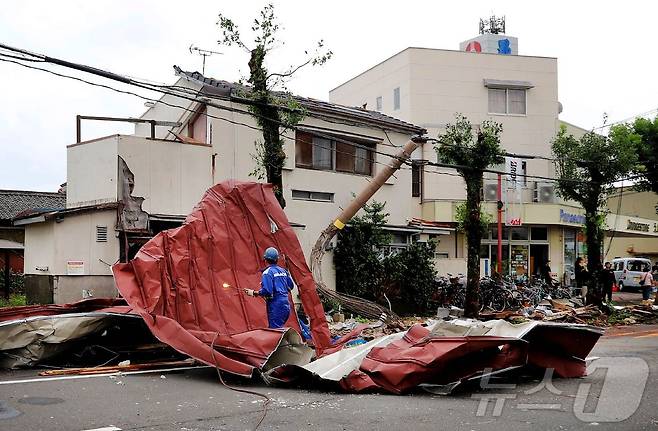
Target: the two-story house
pixel 123 189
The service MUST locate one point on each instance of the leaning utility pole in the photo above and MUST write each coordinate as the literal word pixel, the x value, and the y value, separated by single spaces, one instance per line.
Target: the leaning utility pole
pixel 361 306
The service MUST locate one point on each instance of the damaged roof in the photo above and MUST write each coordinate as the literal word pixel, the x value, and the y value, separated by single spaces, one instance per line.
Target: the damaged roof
pixel 14 202
pixel 314 106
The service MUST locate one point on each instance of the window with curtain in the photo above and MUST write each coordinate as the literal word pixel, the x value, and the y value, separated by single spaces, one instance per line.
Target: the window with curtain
pixel 339 155
pixel 497 101
pixel 507 101
pixel 516 101
pixel 322 153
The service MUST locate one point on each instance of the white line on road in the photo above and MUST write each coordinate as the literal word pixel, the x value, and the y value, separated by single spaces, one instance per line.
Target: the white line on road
pixel 110 428
pixel 87 376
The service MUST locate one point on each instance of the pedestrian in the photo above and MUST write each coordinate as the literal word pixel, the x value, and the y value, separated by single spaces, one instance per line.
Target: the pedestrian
pixel 545 273
pixel 275 285
pixel 646 283
pixel 581 277
pixel 607 279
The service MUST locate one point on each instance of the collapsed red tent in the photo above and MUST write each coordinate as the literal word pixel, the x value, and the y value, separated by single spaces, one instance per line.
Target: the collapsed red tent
pixel 187 283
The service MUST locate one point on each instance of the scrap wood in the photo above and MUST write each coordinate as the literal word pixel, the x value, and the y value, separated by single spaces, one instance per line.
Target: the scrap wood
pixel 117 368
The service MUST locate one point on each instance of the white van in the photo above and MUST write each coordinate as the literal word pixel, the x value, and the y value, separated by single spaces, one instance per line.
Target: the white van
pixel 629 271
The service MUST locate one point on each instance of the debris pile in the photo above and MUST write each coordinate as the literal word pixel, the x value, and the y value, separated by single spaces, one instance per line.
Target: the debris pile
pixel 186 285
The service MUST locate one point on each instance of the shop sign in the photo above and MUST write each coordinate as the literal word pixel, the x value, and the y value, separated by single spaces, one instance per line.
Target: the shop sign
pixel 513 192
pixel 566 217
pixel 75 267
pixel 641 227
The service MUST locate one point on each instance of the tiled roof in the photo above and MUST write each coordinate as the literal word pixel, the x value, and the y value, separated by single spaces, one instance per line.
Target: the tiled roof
pixel 315 106
pixel 14 202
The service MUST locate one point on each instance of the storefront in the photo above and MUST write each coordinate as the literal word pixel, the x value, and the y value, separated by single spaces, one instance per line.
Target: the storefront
pixel 524 249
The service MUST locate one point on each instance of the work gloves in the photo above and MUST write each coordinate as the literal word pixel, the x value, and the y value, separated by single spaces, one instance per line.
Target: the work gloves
pixel 250 292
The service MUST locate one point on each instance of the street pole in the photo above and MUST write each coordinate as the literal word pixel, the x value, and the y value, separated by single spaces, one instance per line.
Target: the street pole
pixel 499 263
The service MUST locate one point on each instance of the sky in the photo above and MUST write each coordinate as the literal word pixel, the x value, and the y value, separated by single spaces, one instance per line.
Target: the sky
pixel 605 63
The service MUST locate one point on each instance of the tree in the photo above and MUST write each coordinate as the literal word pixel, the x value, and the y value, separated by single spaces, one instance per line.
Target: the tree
pixel 646 132
pixel 473 151
pixel 273 110
pixel 357 257
pixel 412 275
pixel 365 268
pixel 587 169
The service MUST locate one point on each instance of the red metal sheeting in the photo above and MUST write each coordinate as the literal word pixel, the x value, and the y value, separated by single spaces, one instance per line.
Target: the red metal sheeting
pixel 187 283
pixel 418 358
pixel 115 305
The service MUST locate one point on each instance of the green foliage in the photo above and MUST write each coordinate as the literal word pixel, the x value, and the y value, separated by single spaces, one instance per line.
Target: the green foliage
pixel 411 273
pixel 15 300
pixel 588 167
pixel 16 283
pixel 359 268
pixel 363 268
pixel 461 217
pixel 644 133
pixel 277 111
pixel 474 150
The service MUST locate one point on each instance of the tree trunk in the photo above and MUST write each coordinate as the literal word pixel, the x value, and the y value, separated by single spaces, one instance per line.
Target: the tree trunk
pixel 267 116
pixel 474 238
pixel 594 239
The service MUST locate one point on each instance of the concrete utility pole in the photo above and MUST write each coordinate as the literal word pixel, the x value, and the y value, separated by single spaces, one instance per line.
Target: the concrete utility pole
pixel 362 306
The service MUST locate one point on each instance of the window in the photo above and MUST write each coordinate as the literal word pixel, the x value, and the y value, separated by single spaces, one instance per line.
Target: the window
pixel 396 98
pixel 327 154
pixel 322 153
pixel 519 234
pixel 538 233
pixel 416 179
pixel 101 233
pixel 509 101
pixel 304 195
pixel 379 103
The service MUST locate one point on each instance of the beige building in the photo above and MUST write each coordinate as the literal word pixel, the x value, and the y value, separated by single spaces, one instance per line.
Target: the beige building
pixel 122 189
pixel 428 87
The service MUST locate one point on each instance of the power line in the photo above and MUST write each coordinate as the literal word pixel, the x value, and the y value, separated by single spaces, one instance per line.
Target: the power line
pixel 643 114
pixel 126 80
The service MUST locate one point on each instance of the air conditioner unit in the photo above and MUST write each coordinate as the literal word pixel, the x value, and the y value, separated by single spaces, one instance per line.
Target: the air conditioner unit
pixel 490 192
pixel 544 193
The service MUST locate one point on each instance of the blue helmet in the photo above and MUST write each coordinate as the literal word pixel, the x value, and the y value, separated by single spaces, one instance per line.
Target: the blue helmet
pixel 271 254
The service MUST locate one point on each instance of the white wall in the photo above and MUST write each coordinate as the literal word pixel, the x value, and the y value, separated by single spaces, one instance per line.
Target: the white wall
pixel 170 176
pixel 91 172
pixel 441 83
pixel 52 244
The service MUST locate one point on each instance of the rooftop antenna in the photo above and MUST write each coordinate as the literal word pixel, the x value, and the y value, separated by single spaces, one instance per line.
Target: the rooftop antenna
pixel 204 53
pixel 492 25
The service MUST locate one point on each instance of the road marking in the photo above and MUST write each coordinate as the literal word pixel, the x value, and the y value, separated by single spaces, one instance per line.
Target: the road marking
pixel 110 428
pixel 623 334
pixel 87 376
pixel 652 334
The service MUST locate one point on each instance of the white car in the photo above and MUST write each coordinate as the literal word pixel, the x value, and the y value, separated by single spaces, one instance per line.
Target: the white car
pixel 629 271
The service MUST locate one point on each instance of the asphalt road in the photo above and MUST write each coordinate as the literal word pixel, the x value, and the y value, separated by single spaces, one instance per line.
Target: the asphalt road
pixel 195 400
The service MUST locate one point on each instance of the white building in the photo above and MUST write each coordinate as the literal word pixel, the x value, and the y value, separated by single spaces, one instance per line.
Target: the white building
pixel 484 80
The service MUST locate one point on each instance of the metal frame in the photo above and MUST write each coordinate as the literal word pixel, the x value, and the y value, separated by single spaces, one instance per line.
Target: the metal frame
pixel 153 123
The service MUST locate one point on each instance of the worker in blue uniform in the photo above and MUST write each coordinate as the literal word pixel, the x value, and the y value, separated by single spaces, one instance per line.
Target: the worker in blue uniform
pixel 275 285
